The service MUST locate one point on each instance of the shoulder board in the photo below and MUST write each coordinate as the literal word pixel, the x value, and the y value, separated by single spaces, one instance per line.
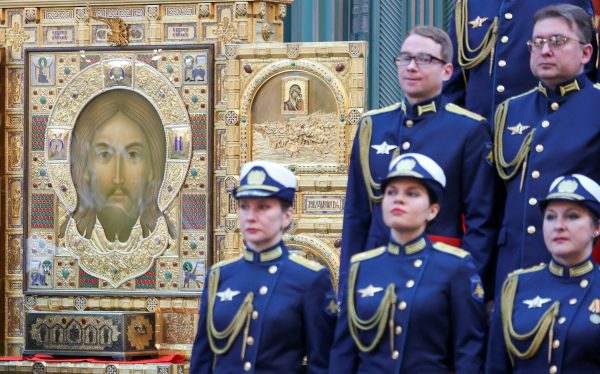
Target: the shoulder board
pixel 446 248
pixel 527 270
pixel 226 262
pixel 453 108
pixel 312 265
pixel 383 110
pixel 367 254
pixel 597 86
pixel 536 88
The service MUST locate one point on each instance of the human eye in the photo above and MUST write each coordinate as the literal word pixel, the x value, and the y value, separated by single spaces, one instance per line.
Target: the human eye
pixel 413 192
pixel 134 155
pixel 103 153
pixel 538 42
pixel 573 216
pixel 423 58
pixel 558 40
pixel 390 191
pixel 549 216
pixel 404 58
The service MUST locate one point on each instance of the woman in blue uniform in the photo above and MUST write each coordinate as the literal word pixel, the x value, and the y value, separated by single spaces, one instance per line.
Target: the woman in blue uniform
pixel 411 306
pixel 268 310
pixel 548 319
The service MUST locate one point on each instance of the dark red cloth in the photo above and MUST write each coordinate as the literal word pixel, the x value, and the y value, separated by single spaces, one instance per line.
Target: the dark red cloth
pixel 171 359
pixel 456 242
pixel 596 253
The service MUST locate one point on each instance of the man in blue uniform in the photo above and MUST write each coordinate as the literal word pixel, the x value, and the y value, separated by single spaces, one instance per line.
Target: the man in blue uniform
pixel 490 42
pixel 549 131
pixel 424 123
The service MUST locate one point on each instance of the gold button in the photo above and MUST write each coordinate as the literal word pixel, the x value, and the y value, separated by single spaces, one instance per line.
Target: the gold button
pixel 553 369
pixel 250 340
pixel 508 16
pixel 247 366
pixel 263 290
pixel 504 39
pixel 409 123
pixel 502 63
pixel 562 320
pixel 584 283
pixel 554 106
pixel 531 229
pixel 410 283
pixel 255 315
pixel 539 148
pixel 398 330
pixel 532 201
pixel 545 124
pixel 500 88
pixel 402 305
pixel 555 344
pixel 273 269
pixel 405 145
pixel 418 262
pixel 395 355
pixel 535 174
pixel 573 301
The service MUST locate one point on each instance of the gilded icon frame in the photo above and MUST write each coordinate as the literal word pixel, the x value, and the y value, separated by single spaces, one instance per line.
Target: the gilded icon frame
pixel 167 259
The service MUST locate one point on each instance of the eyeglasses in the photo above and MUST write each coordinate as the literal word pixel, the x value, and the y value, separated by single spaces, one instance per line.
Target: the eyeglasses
pixel 404 59
pixel 554 42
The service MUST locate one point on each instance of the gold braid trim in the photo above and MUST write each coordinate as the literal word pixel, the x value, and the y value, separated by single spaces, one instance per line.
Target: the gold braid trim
pixel 239 321
pixel 520 160
pixel 364 141
pixel 545 325
pixel 484 49
pixel 384 315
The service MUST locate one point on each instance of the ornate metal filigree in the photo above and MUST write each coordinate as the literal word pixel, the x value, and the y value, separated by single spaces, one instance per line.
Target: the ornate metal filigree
pixel 90 332
pixel 119 30
pixel 140 332
pixel 227 31
pixel 16 36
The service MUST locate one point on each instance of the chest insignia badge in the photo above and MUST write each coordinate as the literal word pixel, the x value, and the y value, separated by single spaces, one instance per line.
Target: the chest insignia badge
pixel 478 22
pixel 518 129
pixel 228 294
pixel 536 302
pixel 384 148
pixel 370 291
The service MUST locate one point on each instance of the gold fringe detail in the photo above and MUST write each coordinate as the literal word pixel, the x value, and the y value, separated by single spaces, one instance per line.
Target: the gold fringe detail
pixel 239 321
pixel 520 160
pixel 364 141
pixel 382 317
pixel 484 49
pixel 545 325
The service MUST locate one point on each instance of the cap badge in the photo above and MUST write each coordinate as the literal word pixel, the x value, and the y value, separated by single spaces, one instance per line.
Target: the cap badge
pixel 256 177
pixel 406 164
pixel 567 186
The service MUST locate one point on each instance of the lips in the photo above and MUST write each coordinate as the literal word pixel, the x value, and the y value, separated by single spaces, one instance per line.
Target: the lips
pixel 559 240
pixel 398 212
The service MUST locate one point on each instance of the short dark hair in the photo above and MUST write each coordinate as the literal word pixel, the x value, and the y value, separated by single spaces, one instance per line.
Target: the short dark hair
pixel 439 36
pixel 576 17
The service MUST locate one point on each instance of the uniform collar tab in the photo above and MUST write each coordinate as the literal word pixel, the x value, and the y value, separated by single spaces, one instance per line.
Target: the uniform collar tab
pixel 414 246
pixel 267 255
pixel 423 108
pixel 571 272
pixel 563 89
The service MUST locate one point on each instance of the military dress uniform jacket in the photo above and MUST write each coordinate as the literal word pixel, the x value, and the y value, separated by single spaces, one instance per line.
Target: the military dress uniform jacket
pixel 454 138
pixel 500 68
pixel 285 308
pixel 426 302
pixel 540 136
pixel 567 303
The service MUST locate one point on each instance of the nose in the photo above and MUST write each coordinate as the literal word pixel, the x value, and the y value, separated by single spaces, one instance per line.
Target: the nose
pixel 546 50
pixel 118 176
pixel 412 64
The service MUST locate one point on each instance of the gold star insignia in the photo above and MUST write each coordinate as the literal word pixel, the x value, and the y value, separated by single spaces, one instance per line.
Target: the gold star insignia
pixel 479 291
pixel 478 22
pixel 518 129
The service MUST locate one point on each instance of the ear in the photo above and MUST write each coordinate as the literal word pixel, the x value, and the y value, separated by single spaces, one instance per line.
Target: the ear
pixel 447 71
pixel 587 52
pixel 287 218
pixel 434 209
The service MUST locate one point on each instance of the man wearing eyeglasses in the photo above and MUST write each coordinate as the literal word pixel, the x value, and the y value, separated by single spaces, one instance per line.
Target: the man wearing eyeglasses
pixel 549 131
pixel 489 38
pixel 423 123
